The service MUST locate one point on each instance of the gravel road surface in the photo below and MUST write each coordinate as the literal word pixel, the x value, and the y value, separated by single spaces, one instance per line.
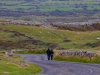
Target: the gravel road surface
pixel 53 67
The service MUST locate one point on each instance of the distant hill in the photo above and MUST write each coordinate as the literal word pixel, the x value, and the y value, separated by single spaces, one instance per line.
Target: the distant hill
pixel 49 7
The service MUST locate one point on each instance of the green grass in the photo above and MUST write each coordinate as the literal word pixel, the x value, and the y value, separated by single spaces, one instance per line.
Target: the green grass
pixel 12 2
pixel 16 7
pixel 32 52
pixel 94 60
pixel 11 66
pixel 9 37
pixel 58 36
pixel 53 5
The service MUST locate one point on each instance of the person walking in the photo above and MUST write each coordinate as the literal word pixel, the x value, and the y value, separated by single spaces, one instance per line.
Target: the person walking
pixel 48 53
pixel 52 54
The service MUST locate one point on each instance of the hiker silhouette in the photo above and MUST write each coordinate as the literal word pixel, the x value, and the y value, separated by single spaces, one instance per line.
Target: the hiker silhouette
pixel 50 54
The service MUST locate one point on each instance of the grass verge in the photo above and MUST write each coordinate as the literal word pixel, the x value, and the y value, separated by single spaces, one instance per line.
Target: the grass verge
pixel 32 52
pixel 16 66
pixel 94 60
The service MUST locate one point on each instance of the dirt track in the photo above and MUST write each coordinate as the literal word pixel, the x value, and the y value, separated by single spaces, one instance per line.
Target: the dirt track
pixel 61 68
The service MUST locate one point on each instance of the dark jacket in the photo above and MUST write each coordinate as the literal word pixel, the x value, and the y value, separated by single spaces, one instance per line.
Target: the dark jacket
pixel 48 52
pixel 52 52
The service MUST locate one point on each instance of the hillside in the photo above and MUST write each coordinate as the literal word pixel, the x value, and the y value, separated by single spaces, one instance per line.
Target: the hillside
pixel 38 38
pixel 13 39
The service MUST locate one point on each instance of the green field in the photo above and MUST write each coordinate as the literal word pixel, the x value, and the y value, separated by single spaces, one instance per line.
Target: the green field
pixel 52 4
pixel 76 39
pixel 50 10
pixel 51 7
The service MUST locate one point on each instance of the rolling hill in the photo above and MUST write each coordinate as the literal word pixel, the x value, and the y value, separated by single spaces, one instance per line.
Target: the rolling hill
pixel 39 38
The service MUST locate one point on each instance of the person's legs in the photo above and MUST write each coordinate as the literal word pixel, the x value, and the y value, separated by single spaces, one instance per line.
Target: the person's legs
pixel 48 56
pixel 51 57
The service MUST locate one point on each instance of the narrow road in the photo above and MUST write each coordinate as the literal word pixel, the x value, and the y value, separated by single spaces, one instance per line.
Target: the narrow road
pixel 53 67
